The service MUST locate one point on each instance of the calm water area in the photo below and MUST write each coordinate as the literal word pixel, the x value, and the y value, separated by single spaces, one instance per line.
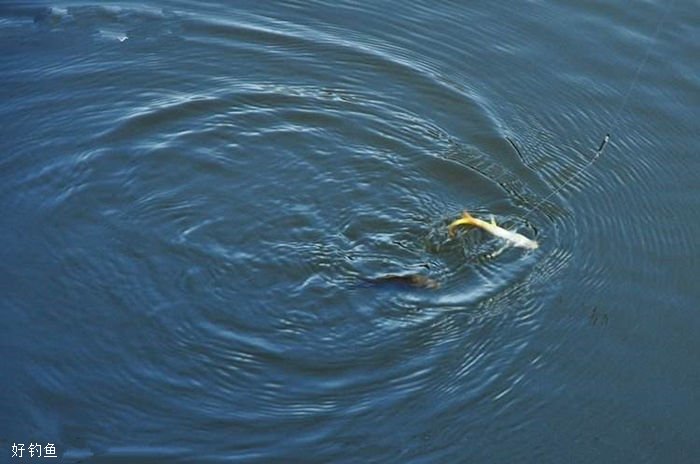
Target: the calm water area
pixel 211 213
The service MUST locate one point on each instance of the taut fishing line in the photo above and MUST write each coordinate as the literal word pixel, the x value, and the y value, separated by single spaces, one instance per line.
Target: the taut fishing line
pixel 616 119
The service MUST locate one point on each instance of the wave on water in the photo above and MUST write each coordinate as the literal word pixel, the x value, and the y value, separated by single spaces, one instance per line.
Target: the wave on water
pixel 225 198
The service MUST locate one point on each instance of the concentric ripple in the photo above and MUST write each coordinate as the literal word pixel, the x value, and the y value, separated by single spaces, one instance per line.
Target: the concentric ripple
pixel 226 224
pixel 225 207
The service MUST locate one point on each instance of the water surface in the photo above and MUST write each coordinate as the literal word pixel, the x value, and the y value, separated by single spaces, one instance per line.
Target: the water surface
pixel 197 196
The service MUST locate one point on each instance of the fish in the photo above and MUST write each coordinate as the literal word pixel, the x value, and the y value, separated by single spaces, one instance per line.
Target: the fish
pixel 492 228
pixel 410 280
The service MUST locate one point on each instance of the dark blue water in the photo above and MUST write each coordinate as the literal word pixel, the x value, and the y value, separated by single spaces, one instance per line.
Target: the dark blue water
pixel 205 206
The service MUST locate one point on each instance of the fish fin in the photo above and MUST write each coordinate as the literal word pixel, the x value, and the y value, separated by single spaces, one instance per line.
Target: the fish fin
pixel 466 215
pixel 465 220
pixel 493 220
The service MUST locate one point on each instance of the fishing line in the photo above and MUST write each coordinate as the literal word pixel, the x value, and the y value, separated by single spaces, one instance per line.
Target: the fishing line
pixel 572 177
pixel 616 118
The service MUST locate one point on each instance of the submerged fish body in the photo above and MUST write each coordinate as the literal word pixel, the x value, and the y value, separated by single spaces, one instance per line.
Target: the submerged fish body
pixel 511 237
pixel 409 280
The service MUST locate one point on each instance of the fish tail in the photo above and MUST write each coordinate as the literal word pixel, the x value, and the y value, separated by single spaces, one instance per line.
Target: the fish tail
pixel 466 220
